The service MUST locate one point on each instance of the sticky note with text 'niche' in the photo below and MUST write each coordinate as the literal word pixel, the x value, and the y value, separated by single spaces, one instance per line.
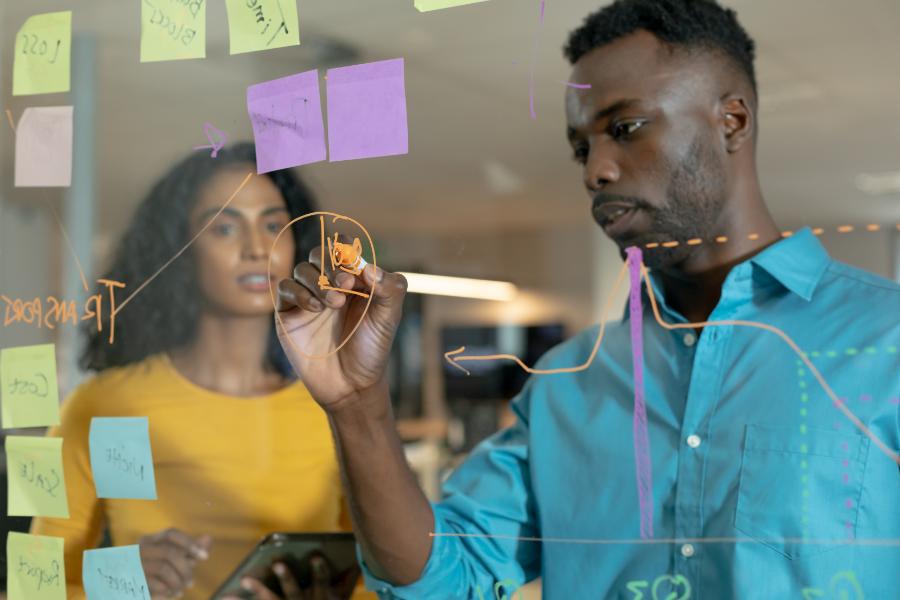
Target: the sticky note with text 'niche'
pixel 34 470
pixel 255 25
pixel 429 5
pixel 173 29
pixel 114 573
pixel 121 458
pixel 367 110
pixel 286 115
pixel 44 147
pixel 35 567
pixel 30 395
pixel 42 63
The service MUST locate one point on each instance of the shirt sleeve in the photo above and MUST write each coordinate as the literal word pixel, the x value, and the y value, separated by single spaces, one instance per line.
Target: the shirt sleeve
pixel 84 527
pixel 478 550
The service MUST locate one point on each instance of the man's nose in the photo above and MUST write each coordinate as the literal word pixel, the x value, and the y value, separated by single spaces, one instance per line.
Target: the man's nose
pixel 600 169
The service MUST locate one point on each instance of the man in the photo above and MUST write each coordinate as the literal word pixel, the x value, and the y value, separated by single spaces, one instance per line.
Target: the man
pixel 761 486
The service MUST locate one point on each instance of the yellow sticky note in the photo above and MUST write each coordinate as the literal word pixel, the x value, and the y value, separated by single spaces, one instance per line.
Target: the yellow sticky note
pixel 35 567
pixel 427 5
pixel 42 54
pixel 173 29
pixel 262 24
pixel 29 395
pixel 37 487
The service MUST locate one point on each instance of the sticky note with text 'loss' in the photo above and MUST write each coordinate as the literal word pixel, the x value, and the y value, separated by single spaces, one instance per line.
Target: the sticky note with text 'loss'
pixel 286 115
pixel 35 567
pixel 121 458
pixel 255 25
pixel 114 573
pixel 173 29
pixel 429 5
pixel 42 63
pixel 29 396
pixel 44 147
pixel 34 469
pixel 367 110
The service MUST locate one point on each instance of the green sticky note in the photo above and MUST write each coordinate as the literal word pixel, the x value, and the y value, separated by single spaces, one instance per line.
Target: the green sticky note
pixel 173 29
pixel 42 54
pixel 255 25
pixel 35 569
pixel 34 468
pixel 427 5
pixel 29 396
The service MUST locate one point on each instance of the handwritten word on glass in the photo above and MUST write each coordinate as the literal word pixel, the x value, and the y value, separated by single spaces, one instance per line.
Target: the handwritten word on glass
pixel 43 54
pixel 37 487
pixel 286 115
pixel 664 587
pixel 173 29
pixel 367 110
pixel 30 395
pixel 121 459
pixel 428 5
pixel 256 25
pixel 114 574
pixel 44 147
pixel 35 567
pixel 842 586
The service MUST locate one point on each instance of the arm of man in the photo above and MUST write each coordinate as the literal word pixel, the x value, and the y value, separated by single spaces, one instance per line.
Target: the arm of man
pixel 392 517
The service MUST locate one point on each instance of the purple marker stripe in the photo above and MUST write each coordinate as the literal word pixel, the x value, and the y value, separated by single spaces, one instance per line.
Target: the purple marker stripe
pixel 643 467
pixel 579 86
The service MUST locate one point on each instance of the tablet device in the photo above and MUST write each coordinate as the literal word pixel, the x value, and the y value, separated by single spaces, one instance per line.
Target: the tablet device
pixel 295 550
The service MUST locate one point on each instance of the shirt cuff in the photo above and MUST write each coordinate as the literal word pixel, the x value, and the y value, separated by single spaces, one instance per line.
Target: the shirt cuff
pixel 436 577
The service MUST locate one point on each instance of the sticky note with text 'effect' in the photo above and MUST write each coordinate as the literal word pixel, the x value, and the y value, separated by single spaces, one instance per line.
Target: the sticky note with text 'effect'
pixel 121 458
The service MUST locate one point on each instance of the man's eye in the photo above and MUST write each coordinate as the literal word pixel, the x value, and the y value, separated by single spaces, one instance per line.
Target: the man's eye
pixel 625 128
pixel 580 154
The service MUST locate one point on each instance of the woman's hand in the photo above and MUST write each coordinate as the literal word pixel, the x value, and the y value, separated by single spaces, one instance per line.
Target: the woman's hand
pixel 315 322
pixel 169 558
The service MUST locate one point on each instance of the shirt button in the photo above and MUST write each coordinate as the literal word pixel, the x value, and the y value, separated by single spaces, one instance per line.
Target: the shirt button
pixel 689 339
pixel 693 440
pixel 687 550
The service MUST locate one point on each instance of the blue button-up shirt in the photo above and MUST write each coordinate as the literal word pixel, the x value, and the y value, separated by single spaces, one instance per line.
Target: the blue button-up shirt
pixel 762 487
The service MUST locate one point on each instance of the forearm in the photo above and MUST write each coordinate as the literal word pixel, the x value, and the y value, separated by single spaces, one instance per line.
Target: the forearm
pixel 391 516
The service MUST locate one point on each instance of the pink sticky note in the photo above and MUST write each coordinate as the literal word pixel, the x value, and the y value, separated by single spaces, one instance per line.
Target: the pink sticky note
pixel 367 111
pixel 44 147
pixel 286 115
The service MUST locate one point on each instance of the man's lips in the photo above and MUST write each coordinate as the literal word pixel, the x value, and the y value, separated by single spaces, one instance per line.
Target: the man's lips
pixel 608 213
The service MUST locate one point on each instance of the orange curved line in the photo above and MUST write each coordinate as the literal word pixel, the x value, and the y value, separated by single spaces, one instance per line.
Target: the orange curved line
pixel 772 329
pixel 533 371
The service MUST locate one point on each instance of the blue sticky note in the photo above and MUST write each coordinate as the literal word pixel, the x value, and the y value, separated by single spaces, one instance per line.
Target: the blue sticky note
pixel 114 574
pixel 121 459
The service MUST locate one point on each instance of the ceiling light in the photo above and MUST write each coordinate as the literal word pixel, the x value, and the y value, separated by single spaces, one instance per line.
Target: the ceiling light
pixel 460 287
pixel 879 183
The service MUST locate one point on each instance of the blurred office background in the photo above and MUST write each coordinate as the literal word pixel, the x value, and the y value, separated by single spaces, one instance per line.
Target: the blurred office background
pixel 485 192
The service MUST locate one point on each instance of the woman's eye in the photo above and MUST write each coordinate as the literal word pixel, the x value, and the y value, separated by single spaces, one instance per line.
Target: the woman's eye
pixel 625 128
pixel 274 227
pixel 222 228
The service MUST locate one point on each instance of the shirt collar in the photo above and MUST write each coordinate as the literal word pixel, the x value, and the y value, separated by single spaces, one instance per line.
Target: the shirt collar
pixel 796 262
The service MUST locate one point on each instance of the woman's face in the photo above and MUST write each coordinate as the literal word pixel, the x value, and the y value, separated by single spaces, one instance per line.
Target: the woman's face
pixel 233 253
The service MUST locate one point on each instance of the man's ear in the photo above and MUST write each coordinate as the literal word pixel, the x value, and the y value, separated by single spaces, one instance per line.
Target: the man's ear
pixel 736 120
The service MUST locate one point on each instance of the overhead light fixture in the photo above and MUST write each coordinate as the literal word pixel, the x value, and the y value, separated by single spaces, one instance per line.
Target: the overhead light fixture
pixel 879 183
pixel 460 287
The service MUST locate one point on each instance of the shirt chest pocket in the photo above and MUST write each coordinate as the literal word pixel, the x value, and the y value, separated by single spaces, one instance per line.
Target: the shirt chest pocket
pixel 799 492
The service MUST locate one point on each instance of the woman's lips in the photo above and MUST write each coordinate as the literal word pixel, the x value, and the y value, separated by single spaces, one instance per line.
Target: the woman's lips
pixel 254 282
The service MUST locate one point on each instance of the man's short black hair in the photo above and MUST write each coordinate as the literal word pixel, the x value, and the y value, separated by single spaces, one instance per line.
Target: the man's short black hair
pixel 689 24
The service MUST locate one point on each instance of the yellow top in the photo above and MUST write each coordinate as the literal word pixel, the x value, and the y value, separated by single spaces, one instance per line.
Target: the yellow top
pixel 234 468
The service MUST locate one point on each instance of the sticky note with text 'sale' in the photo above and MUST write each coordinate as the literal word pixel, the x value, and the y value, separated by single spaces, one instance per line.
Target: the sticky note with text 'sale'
pixel 114 574
pixel 29 395
pixel 42 55
pixel 121 458
pixel 35 567
pixel 34 469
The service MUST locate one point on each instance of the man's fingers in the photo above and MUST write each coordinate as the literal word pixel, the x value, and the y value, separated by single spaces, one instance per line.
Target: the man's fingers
pixel 186 542
pixel 159 588
pixel 321 577
pixel 288 583
pixel 259 591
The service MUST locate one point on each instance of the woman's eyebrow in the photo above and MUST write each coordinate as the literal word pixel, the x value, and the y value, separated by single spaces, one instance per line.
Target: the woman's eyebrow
pixel 206 214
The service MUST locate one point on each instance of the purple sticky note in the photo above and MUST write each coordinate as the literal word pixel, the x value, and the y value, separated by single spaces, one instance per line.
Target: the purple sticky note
pixel 286 115
pixel 44 147
pixel 367 111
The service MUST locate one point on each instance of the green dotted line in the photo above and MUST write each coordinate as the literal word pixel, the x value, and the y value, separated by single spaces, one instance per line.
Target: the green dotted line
pixel 868 350
pixel 804 448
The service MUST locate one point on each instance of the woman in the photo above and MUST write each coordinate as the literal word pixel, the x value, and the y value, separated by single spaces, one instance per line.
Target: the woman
pixel 240 448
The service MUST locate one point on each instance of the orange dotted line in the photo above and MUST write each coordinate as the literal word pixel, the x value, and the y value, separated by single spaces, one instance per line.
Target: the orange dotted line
pixel 871 227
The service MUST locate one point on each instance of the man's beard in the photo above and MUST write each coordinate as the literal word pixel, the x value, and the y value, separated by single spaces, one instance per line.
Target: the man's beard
pixel 695 199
